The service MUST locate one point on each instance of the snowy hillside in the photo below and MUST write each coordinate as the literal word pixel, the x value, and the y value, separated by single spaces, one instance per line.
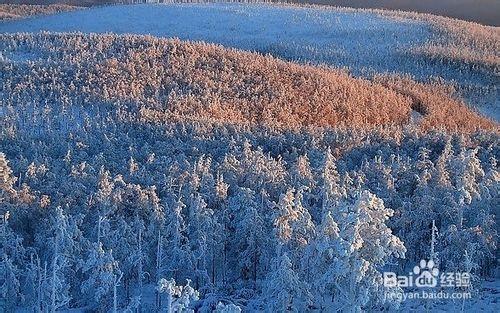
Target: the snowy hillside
pixel 147 174
pixel 363 41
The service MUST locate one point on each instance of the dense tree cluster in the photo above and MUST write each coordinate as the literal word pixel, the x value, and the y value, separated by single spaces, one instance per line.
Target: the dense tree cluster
pixel 13 11
pixel 252 217
pixel 159 79
pixel 130 163
pixel 424 46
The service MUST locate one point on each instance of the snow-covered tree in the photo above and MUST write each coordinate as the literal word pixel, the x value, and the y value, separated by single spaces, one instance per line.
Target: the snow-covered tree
pixel 104 203
pixel 102 271
pixel 285 216
pixel 179 298
pixel 11 256
pixel 469 174
pixel 60 247
pixel 249 240
pixel 302 173
pixel 202 227
pixel 7 180
pixel 303 227
pixel 176 259
pixel 283 290
pixel 350 253
pixel 331 190
pixel 227 308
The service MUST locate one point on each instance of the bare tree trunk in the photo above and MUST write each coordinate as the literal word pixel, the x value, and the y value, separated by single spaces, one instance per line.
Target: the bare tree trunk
pixel 158 267
pixel 213 266
pixel 54 275
pixel 99 229
pixel 39 286
pixel 140 270
pixel 127 289
pixel 224 263
pixel 7 303
pixel 197 282
pixel 169 302
pixel 255 270
pixel 45 309
pixel 115 294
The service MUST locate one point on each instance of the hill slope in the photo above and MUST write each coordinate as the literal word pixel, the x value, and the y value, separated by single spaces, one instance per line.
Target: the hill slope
pixel 264 183
pixel 366 42
pixel 160 79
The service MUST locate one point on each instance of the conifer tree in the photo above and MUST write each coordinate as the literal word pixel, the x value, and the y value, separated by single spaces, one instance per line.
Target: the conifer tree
pixel 250 238
pixel 11 256
pixel 7 180
pixel 283 289
pixel 61 245
pixel 350 252
pixel 102 271
pixel 177 257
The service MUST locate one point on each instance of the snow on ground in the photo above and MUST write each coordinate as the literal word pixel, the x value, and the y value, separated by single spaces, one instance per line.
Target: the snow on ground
pixel 365 42
pixel 352 39
pixel 487 300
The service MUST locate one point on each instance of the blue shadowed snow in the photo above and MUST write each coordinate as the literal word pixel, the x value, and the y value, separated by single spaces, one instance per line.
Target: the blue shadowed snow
pixel 366 43
pixel 357 40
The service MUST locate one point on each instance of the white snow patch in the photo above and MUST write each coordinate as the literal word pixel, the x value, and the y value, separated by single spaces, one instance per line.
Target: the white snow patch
pixel 415 117
pixel 362 41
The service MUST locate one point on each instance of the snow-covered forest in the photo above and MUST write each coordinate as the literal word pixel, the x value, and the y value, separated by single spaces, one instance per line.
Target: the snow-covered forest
pixel 140 174
pixel 254 218
pixel 366 42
